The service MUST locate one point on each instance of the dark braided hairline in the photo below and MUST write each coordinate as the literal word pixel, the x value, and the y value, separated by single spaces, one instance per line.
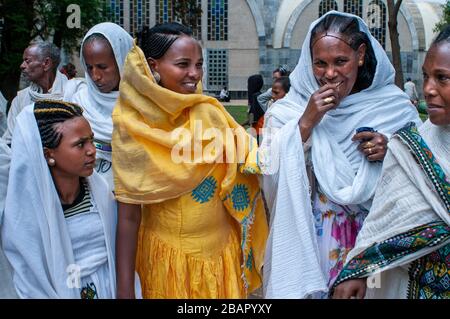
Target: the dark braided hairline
pixel 49 114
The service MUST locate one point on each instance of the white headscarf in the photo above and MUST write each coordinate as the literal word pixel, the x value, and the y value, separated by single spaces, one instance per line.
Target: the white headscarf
pixel 344 175
pixel 99 106
pixel 35 236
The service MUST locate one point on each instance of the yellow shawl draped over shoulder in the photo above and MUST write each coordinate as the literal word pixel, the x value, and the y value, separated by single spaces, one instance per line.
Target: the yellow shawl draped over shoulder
pixel 154 125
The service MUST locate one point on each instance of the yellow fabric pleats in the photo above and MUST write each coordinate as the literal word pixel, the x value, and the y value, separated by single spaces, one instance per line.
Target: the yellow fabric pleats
pixel 221 254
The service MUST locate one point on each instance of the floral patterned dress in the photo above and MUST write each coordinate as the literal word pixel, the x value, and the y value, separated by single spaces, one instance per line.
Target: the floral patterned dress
pixel 336 228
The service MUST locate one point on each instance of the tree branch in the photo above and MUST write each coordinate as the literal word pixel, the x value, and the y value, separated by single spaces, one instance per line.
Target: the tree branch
pixel 397 7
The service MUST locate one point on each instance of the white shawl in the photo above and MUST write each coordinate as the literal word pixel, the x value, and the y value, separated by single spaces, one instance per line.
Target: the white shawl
pixel 98 106
pixel 345 176
pixel 34 233
pixel 6 286
pixel 405 199
pixel 34 93
pixel 3 104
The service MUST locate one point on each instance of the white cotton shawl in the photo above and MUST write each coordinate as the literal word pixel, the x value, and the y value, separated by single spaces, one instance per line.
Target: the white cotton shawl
pixel 62 89
pixel 5 157
pixel 6 286
pixel 3 104
pixel 405 199
pixel 56 92
pixel 292 268
pixel 98 106
pixel 35 235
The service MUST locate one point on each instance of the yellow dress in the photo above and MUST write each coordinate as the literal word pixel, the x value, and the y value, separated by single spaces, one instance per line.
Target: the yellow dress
pixel 189 247
pixel 203 229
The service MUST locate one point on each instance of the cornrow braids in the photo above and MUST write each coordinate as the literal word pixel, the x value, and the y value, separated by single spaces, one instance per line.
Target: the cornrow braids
pixel 48 114
pixel 156 41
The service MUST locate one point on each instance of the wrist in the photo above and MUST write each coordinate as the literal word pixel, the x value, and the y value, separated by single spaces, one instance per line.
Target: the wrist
pixel 305 128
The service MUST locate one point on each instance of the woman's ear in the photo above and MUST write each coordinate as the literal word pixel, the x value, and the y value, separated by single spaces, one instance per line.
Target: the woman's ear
pixel 153 64
pixel 48 153
pixel 361 53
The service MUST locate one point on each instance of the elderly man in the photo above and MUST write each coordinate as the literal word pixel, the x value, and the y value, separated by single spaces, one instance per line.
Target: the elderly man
pixel 40 67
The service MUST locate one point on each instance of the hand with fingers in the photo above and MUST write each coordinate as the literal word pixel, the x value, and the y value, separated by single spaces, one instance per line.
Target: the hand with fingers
pixel 372 144
pixel 351 289
pixel 323 100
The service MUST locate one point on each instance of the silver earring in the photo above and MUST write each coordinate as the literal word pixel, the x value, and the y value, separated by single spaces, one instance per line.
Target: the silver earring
pixel 156 76
pixel 51 162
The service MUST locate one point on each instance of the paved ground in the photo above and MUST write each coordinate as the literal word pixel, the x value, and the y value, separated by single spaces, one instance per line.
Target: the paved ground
pixel 236 102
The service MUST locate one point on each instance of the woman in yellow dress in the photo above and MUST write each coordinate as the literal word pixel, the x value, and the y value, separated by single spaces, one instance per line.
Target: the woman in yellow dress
pixel 192 225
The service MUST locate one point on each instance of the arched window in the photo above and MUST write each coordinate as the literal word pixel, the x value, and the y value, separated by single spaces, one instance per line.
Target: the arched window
pixel 354 7
pixel 116 7
pixel 139 15
pixel 376 20
pixel 164 11
pixel 327 5
pixel 217 20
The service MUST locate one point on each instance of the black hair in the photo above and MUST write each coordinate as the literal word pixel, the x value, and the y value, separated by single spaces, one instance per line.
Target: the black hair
pixel 443 36
pixel 70 70
pixel 348 27
pixel 408 79
pixel 48 114
pixel 255 83
pixel 284 82
pixel 282 70
pixel 155 41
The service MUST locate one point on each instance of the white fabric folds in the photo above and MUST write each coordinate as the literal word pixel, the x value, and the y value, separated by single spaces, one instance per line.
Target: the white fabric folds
pixel 6 286
pixel 405 199
pixel 98 106
pixel 343 173
pixel 62 89
pixel 35 233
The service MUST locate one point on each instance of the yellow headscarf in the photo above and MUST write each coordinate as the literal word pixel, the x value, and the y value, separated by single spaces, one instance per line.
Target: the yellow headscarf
pixel 145 118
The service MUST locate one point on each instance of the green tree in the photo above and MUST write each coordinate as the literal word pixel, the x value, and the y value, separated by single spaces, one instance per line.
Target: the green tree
pixel 445 17
pixel 187 12
pixel 51 20
pixel 26 20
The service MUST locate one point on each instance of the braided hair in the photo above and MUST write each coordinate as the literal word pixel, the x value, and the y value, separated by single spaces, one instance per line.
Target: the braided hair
pixel 348 30
pixel 443 36
pixel 156 41
pixel 50 113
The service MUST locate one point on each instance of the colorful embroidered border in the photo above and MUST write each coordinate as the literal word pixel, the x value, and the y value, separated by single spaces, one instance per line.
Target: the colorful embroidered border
pixel 429 276
pixel 382 254
pixel 410 136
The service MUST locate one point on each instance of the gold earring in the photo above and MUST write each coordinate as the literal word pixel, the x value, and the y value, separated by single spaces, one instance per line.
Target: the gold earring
pixel 360 63
pixel 51 162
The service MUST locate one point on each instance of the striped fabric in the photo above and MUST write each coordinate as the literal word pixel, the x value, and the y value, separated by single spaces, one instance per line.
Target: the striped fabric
pixel 82 204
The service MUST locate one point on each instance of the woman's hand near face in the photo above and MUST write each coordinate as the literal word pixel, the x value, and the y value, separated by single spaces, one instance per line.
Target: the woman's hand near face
pixel 323 100
pixel 372 144
pixel 355 288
